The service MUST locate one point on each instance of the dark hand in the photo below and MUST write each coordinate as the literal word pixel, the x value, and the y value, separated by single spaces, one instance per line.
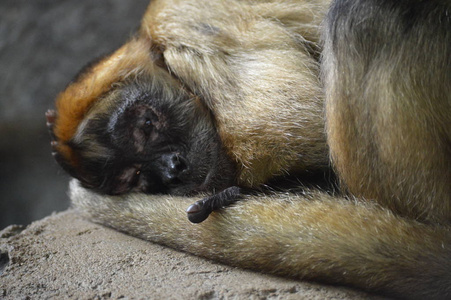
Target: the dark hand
pixel 201 209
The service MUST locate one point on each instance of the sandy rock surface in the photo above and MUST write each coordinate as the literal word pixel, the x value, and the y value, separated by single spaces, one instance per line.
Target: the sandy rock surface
pixel 64 256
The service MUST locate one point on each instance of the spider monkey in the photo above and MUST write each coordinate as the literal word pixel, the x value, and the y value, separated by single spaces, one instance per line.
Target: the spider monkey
pixel 214 98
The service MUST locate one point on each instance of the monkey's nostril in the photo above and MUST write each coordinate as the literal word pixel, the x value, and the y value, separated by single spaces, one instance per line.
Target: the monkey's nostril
pixel 179 163
pixel 173 166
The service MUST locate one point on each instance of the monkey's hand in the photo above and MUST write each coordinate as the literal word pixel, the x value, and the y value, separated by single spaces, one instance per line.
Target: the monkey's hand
pixel 201 209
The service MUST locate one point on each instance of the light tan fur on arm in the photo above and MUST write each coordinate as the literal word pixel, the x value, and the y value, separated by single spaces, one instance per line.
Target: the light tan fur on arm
pixel 312 236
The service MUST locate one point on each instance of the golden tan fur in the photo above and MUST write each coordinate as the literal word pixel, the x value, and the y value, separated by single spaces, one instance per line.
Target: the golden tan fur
pixel 389 129
pixel 388 110
pixel 245 62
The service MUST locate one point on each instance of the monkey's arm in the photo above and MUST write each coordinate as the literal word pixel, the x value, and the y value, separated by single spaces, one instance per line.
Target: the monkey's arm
pixel 313 236
pixel 245 59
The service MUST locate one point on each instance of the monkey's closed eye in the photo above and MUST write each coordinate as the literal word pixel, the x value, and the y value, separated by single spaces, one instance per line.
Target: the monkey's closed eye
pixel 127 179
pixel 135 178
pixel 147 123
pixel 144 127
pixel 147 127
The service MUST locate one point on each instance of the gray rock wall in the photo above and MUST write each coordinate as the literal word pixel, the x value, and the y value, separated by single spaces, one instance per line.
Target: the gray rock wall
pixel 43 44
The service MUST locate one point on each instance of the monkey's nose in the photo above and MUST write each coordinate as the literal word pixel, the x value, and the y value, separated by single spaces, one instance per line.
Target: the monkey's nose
pixel 173 167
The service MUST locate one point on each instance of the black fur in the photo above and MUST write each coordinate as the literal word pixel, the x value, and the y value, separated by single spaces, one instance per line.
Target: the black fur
pixel 154 143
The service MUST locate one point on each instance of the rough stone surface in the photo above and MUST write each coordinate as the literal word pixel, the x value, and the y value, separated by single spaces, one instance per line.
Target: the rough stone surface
pixel 64 256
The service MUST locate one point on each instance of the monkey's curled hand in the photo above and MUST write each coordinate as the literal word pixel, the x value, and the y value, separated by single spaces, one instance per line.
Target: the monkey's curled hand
pixel 200 210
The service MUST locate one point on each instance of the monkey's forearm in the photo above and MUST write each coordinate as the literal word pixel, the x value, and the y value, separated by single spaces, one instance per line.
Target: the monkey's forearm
pixel 312 236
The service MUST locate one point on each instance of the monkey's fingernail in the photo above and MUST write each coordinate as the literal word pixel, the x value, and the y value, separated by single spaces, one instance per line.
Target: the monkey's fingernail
pixel 194 208
pixel 198 217
pixel 51 116
pixel 197 212
pixel 54 145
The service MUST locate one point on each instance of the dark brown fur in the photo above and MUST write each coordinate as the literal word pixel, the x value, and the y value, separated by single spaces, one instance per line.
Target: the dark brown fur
pixel 389 107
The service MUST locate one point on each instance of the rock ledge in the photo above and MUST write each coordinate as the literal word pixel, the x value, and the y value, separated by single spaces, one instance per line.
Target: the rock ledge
pixel 65 256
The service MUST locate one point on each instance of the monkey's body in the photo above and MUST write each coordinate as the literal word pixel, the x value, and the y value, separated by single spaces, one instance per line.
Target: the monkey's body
pixel 249 70
pixel 389 106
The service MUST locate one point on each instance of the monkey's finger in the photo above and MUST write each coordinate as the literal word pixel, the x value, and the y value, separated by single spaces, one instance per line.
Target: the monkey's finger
pixel 198 211
pixel 54 145
pixel 50 115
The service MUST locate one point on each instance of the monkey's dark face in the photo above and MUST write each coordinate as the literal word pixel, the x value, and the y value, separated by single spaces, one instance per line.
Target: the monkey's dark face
pixel 146 137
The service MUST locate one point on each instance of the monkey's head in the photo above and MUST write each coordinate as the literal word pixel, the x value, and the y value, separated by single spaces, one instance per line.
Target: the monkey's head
pixel 125 124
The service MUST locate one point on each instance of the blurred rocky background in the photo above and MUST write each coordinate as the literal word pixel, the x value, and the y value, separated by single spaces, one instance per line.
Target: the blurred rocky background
pixel 43 44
